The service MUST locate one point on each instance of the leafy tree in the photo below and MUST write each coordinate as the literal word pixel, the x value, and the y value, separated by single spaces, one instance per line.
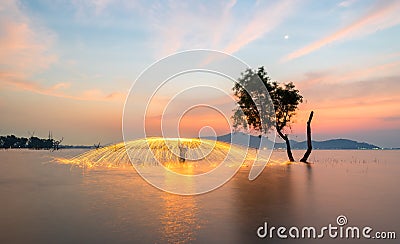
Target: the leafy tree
pixel 285 99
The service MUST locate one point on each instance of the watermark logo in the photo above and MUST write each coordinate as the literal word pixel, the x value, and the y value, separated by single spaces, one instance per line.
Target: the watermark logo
pixel 339 230
pixel 195 83
pixel 341 220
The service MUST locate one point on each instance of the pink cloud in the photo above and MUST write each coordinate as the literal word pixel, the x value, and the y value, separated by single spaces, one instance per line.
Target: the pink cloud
pixel 57 90
pixel 24 48
pixel 380 17
pixel 337 77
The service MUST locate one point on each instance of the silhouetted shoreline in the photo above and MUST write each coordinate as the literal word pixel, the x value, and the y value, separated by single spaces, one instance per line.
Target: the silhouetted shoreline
pixel 35 143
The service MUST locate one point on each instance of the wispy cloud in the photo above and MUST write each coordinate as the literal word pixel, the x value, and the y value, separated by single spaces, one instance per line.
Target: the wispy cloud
pixel 346 3
pixel 178 25
pixel 57 90
pixel 381 16
pixel 391 118
pixel 365 100
pixel 24 47
pixel 336 77
pixel 90 10
pixel 226 26
pixel 351 106
pixel 265 19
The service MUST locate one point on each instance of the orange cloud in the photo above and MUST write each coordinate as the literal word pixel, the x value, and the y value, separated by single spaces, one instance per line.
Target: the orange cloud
pixel 351 76
pixel 344 119
pixel 56 90
pixel 380 17
pixel 335 113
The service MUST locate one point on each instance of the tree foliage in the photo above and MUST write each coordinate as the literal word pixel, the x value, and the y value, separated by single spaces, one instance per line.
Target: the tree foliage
pixel 285 99
pixel 255 106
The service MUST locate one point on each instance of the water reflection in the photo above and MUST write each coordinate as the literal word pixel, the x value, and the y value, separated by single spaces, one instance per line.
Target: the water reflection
pixel 268 198
pixel 51 203
pixel 179 219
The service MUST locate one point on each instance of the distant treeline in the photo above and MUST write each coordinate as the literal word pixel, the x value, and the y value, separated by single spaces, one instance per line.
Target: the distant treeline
pixel 11 141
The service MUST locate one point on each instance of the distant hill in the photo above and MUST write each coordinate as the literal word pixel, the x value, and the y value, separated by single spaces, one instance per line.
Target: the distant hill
pixel 241 139
pixel 331 144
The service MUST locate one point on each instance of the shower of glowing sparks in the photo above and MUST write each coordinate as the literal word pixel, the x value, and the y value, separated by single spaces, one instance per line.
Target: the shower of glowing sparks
pixel 202 155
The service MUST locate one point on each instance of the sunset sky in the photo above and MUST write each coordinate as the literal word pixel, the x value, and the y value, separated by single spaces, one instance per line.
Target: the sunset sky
pixel 67 66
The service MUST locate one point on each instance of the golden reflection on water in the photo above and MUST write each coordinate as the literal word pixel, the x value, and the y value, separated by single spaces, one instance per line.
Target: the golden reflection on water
pixel 177 217
pixel 180 218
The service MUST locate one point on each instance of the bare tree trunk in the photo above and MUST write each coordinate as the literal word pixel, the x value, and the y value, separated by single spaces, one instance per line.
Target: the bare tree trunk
pixel 309 143
pixel 288 149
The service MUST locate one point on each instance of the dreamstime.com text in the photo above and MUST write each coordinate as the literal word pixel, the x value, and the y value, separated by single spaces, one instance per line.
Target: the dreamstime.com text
pixel 339 230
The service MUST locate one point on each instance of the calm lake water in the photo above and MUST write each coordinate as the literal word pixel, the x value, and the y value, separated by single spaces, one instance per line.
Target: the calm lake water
pixel 43 202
